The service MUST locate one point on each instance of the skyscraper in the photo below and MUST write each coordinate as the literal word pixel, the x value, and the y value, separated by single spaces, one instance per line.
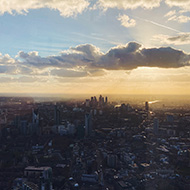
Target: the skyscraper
pixel 106 101
pixel 100 100
pixel 156 125
pixel 88 124
pixel 56 115
pixel 17 121
pixel 35 121
pixel 146 106
pixel 23 127
pixel 87 103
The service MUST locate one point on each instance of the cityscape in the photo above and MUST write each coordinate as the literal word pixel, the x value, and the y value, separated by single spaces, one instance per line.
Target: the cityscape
pixel 94 95
pixel 93 144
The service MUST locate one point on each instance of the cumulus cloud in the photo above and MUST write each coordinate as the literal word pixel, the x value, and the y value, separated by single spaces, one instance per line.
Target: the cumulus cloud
pixel 69 8
pixel 126 21
pixel 87 60
pixel 184 4
pixel 7 64
pixel 6 59
pixel 132 56
pixel 65 7
pixel 128 4
pixel 180 39
pixel 34 59
pixel 127 57
pixel 88 50
pixel 79 56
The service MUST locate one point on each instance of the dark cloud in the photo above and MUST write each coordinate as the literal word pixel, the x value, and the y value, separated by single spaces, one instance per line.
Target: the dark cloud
pixel 122 57
pixel 165 58
pixel 96 72
pixel 79 56
pixel 181 39
pixel 88 60
pixel 132 56
pixel 32 58
pixel 126 57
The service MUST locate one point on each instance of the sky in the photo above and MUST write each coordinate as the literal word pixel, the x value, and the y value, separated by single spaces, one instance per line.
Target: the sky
pixel 95 46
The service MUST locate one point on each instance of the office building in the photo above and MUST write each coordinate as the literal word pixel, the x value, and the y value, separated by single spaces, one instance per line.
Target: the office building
pixel 88 124
pixel 146 106
pixel 57 115
pixel 43 174
pixel 156 125
pixel 35 122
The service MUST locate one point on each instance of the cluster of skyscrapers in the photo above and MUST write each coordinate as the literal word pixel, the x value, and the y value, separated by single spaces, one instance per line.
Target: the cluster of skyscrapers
pixel 93 102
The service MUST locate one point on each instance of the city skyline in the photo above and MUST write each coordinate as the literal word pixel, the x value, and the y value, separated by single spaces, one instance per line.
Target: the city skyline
pixel 95 46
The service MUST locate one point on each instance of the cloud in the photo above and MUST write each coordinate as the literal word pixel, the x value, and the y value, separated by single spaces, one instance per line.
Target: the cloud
pixel 88 50
pixel 122 57
pixel 7 64
pixel 22 79
pixel 128 4
pixel 88 61
pixel 177 16
pixel 69 8
pixel 29 79
pixel 181 39
pixel 6 59
pixel 66 8
pixel 183 4
pixel 170 13
pixel 127 57
pixel 79 56
pixel 126 21
pixel 34 59
pixel 8 69
pixel 133 56
pixel 6 79
pixel 180 19
pixel 97 72
pixel 68 73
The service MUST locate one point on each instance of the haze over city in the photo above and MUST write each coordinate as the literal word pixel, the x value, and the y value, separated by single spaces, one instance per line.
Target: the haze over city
pixel 95 46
